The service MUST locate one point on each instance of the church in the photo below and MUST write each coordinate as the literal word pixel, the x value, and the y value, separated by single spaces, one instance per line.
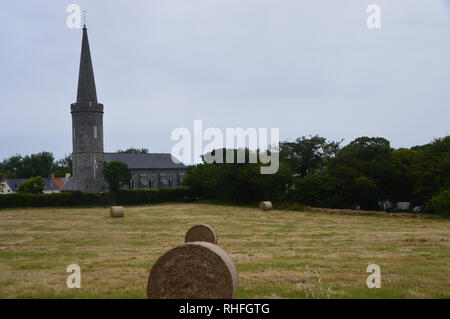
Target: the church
pixel 151 170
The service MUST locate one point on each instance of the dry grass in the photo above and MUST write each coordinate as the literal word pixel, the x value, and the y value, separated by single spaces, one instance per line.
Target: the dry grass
pixel 279 254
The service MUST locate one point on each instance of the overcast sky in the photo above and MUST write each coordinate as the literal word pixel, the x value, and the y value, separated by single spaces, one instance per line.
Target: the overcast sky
pixel 306 67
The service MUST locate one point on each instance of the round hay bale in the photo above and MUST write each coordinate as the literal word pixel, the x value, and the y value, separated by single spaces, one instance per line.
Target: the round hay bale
pixel 197 270
pixel 201 232
pixel 116 211
pixel 265 205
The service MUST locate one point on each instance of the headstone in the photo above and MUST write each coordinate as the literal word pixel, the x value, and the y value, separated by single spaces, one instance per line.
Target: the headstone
pixel 197 270
pixel 201 232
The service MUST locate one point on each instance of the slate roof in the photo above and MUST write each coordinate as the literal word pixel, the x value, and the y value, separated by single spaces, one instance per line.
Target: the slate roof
pixel 86 82
pixel 146 161
pixel 68 185
pixel 14 183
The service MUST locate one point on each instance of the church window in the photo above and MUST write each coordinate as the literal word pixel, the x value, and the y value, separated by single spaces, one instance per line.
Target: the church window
pixel 152 183
pixel 95 131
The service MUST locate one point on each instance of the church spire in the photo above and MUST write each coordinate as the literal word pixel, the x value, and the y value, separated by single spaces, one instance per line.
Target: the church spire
pixel 86 81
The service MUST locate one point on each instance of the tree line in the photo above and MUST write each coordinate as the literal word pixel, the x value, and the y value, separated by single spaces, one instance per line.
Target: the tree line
pixel 313 171
pixel 40 164
pixel 43 163
pixel 319 172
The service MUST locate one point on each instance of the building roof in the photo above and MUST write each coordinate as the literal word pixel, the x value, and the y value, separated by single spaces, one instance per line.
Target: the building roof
pixel 59 182
pixel 146 161
pixel 86 81
pixel 14 183
pixel 68 185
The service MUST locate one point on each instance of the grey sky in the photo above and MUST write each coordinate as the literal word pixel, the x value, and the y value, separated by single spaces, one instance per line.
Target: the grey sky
pixel 307 67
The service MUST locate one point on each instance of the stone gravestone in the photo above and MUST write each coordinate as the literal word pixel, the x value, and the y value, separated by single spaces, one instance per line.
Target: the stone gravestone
pixel 197 270
pixel 201 232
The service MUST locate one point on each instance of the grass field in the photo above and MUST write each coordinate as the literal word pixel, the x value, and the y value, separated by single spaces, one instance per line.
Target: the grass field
pixel 278 254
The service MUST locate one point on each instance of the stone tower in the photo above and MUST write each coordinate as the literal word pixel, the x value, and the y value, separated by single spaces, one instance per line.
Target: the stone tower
pixel 87 128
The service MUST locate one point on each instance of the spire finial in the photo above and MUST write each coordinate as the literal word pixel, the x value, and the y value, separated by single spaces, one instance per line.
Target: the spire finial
pixel 84 18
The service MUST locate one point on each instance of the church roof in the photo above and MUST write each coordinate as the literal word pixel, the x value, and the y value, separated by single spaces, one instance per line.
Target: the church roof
pixel 86 82
pixel 146 161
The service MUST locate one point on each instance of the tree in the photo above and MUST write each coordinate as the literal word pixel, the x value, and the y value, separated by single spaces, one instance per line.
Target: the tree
pixel 404 174
pixel 33 185
pixel 431 169
pixel 318 190
pixel 440 203
pixel 12 166
pixel 37 164
pixel 237 182
pixel 308 154
pixel 365 172
pixel 117 175
pixel 62 166
pixel 31 165
pixel 134 150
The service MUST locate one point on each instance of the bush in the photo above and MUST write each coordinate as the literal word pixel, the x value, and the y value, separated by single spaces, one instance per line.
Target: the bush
pixel 439 203
pixel 77 198
pixel 34 185
pixel 136 197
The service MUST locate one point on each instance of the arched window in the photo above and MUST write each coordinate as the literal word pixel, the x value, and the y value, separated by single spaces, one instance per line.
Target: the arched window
pixel 131 184
pixel 171 185
pixel 151 183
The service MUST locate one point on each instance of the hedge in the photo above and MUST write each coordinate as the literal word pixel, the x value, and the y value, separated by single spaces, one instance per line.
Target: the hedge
pixel 77 198
pixel 439 203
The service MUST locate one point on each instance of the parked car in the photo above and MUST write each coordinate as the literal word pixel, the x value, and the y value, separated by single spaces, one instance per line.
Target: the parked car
pixel 418 209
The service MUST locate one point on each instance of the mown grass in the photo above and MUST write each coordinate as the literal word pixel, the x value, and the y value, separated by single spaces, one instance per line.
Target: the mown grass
pixel 278 254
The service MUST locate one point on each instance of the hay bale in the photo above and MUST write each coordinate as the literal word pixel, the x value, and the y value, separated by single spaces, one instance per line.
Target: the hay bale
pixel 116 211
pixel 265 205
pixel 201 232
pixel 197 270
